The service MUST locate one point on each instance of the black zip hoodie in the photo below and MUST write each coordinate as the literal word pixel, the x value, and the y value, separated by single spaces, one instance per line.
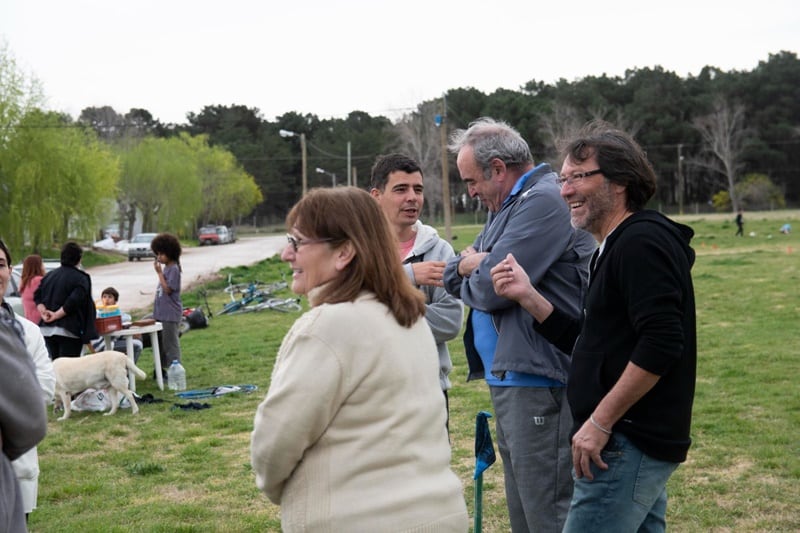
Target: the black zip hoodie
pixel 639 308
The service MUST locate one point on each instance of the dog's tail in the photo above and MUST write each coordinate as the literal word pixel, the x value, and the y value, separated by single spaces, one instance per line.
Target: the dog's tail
pixel 136 370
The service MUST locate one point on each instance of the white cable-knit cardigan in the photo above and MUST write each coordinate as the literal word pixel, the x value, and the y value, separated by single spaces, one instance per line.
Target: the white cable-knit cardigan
pixel 351 435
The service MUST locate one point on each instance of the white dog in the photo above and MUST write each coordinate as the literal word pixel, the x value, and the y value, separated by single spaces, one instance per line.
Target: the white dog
pixel 99 370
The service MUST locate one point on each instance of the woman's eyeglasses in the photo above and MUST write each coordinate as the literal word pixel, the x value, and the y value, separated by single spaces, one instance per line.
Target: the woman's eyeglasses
pixel 297 243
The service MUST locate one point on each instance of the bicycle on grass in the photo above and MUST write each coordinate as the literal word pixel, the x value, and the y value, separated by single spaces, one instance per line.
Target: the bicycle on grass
pixel 250 294
pixel 284 305
pixel 257 295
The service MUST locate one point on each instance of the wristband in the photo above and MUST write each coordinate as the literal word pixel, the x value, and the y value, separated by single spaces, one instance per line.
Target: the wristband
pixel 598 426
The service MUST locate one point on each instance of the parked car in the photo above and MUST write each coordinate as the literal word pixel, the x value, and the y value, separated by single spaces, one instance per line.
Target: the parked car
pixel 215 235
pixel 12 295
pixel 208 235
pixel 226 234
pixel 139 246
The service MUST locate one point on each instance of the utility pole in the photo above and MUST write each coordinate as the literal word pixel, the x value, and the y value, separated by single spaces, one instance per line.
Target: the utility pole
pixel 349 166
pixel 303 153
pixel 442 123
pixel 304 156
pixel 680 179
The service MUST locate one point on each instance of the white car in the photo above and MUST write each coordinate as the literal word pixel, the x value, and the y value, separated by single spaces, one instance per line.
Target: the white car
pixel 226 235
pixel 139 246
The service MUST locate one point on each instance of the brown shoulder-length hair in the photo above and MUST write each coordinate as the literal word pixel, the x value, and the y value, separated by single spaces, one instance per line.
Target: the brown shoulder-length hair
pixel 350 214
pixel 31 267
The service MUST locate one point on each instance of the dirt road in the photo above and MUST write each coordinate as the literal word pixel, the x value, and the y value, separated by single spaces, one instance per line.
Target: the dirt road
pixel 136 281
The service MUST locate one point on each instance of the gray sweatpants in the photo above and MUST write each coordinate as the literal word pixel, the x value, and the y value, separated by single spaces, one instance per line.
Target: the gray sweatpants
pixel 533 426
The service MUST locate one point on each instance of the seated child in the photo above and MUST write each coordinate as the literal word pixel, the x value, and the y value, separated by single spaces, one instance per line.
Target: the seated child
pixel 109 296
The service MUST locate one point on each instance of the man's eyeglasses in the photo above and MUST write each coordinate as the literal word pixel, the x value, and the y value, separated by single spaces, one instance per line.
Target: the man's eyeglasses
pixel 297 243
pixel 576 178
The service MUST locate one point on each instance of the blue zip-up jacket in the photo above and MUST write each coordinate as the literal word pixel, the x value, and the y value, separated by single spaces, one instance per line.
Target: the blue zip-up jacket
pixel 534 225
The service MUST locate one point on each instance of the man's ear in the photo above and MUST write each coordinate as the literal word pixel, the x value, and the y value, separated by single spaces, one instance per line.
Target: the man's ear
pixel 376 193
pixel 344 254
pixel 497 167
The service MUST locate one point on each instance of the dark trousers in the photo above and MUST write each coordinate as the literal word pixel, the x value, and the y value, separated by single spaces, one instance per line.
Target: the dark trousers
pixel 58 346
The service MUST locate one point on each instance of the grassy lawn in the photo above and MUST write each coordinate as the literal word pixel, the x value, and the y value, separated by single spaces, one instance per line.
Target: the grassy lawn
pixel 171 470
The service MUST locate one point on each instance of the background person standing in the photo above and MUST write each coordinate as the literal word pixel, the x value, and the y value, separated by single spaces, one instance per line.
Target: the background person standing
pixel 167 306
pixel 740 223
pixel 32 273
pixel 64 299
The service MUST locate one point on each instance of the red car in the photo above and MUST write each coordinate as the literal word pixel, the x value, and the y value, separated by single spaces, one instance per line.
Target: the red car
pixel 215 235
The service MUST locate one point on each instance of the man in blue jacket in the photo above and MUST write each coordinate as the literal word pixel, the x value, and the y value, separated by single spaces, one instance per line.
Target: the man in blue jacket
pixel 525 373
pixel 634 353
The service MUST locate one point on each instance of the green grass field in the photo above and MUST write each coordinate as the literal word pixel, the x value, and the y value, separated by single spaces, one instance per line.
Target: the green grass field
pixel 169 470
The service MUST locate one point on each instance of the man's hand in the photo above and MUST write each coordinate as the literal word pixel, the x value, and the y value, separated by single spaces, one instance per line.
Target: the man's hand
pixel 469 250
pixel 429 273
pixel 471 258
pixel 587 444
pixel 510 280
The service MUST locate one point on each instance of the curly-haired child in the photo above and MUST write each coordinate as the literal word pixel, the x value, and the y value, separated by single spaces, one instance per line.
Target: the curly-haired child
pixel 167 307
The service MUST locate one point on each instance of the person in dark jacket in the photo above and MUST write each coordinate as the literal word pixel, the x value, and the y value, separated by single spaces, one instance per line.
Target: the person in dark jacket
pixel 634 353
pixel 64 300
pixel 740 224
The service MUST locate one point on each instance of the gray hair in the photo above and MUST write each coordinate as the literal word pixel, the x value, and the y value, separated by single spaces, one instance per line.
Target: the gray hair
pixel 492 139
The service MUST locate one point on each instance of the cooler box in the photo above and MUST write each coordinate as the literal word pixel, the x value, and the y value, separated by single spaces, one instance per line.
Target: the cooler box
pixel 108 324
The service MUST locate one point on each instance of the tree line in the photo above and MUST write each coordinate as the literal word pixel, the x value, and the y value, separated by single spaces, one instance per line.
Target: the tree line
pixel 723 140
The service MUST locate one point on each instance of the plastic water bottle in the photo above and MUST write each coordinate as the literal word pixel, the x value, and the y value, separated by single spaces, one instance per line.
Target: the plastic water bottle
pixel 176 376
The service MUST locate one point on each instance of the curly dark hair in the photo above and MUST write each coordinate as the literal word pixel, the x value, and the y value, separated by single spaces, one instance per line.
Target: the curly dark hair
pixel 167 244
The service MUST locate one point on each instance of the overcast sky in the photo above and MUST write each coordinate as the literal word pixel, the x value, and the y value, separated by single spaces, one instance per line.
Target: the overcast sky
pixel 331 57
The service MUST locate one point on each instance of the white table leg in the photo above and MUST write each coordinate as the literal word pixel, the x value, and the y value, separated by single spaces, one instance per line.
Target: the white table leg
pixel 157 359
pixel 131 375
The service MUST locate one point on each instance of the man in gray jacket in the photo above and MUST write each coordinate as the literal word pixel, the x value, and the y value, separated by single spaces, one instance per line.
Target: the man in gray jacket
pixel 525 373
pixel 26 466
pixel 23 422
pixel 397 185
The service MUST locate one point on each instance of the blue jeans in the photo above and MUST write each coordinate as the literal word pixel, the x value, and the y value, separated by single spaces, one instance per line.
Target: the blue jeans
pixel 630 496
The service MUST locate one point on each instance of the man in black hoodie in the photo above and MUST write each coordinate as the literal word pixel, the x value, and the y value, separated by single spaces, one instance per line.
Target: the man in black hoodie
pixel 634 352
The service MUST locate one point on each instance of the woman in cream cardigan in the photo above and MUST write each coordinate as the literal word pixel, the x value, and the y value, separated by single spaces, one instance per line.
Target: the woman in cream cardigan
pixel 351 435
